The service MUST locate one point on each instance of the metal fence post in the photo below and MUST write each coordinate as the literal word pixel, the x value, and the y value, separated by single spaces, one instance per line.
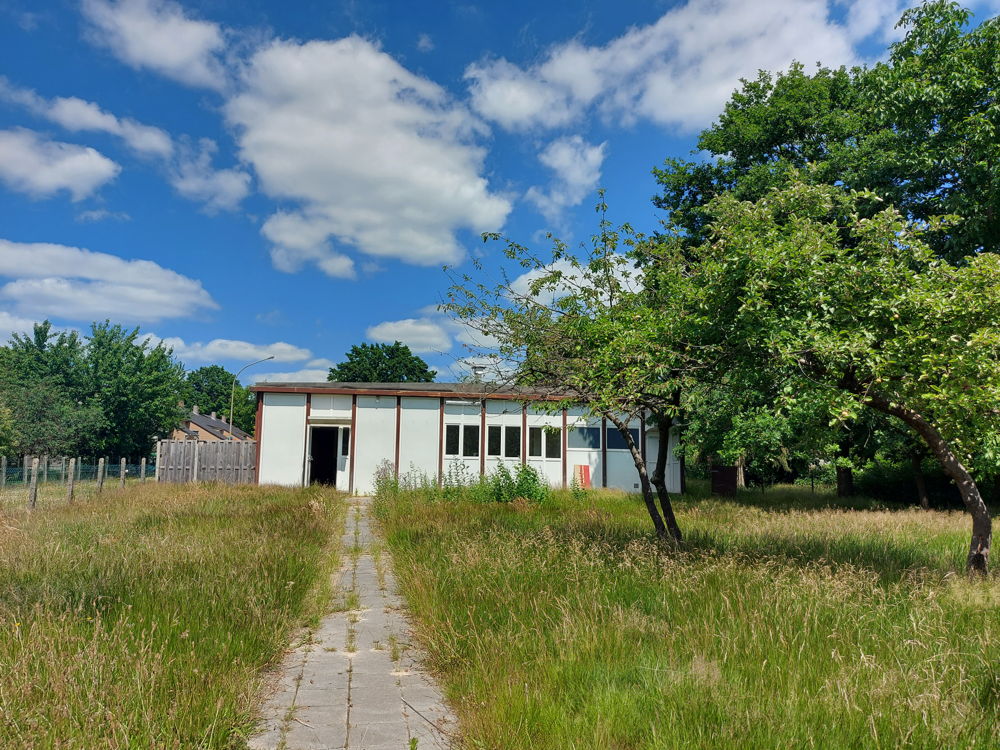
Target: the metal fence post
pixel 100 475
pixel 33 489
pixel 122 472
pixel 71 480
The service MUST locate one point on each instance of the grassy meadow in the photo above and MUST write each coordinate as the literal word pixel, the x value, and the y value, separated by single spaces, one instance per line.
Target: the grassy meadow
pixel 144 617
pixel 782 622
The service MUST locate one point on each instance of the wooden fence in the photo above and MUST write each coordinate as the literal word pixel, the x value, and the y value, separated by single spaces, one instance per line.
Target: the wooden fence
pixel 229 461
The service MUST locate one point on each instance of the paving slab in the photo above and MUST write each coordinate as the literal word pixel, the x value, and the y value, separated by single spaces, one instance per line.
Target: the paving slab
pixel 356 682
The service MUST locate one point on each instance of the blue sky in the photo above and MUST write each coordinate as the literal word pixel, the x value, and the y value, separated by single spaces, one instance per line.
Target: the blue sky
pixel 252 178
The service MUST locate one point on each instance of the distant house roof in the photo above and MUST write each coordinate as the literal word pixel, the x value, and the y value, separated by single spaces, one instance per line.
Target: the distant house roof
pixel 213 426
pixel 461 390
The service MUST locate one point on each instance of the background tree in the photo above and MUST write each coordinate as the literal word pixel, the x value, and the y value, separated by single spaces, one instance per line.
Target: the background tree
pixel 381 363
pixel 918 129
pixel 209 389
pixel 852 312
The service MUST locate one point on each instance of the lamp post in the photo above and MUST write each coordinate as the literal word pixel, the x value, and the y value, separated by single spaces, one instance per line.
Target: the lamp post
pixel 232 391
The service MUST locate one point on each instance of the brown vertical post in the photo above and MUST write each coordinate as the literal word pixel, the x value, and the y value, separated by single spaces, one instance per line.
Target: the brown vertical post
pixel 33 487
pixel 100 475
pixel 441 442
pixel 354 439
pixel 604 451
pixel 307 459
pixel 121 473
pixel 399 413
pixel 142 469
pixel 3 472
pixel 564 445
pixel 482 437
pixel 258 431
pixel 71 483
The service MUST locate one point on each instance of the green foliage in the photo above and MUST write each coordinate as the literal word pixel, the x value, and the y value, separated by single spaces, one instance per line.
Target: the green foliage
pixel 919 129
pixel 209 388
pixel 499 486
pixel 381 363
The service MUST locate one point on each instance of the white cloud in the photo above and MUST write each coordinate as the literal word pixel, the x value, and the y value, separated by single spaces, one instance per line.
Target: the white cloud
pixel 678 71
pixel 195 179
pixel 576 167
pixel 102 214
pixel 223 349
pixel 425 43
pixel 41 168
pixel 10 323
pixel 299 376
pixel 76 115
pixel 69 282
pixel 380 160
pixel 422 335
pixel 321 362
pixel 156 34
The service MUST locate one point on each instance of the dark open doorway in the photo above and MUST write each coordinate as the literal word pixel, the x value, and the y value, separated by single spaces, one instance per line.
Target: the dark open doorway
pixel 324 456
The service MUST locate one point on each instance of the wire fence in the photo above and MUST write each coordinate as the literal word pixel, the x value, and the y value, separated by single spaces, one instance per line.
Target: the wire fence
pixel 45 481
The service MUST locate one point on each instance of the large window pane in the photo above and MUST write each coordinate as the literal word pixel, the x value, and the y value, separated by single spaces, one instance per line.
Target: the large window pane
pixel 534 441
pixel 553 443
pixel 493 440
pixel 470 440
pixel 345 440
pixel 512 442
pixel 584 437
pixel 451 440
pixel 615 440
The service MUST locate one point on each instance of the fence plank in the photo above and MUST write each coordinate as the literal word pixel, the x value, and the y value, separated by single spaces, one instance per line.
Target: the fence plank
pixel 229 461
pixel 122 472
pixel 71 480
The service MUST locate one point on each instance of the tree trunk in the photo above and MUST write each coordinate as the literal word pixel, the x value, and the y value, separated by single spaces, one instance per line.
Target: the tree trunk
pixel 644 484
pixel 741 473
pixel 845 474
pixel 982 525
pixel 917 461
pixel 663 424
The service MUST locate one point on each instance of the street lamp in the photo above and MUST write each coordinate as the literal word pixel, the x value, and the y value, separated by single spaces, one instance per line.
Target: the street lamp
pixel 232 391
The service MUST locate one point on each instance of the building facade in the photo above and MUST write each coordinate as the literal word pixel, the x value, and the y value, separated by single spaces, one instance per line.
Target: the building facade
pixel 340 433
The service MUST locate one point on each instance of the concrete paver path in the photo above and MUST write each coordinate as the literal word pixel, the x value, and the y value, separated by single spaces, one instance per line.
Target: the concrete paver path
pixel 357 683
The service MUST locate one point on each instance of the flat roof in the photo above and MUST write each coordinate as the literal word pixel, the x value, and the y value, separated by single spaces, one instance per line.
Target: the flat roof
pixel 439 390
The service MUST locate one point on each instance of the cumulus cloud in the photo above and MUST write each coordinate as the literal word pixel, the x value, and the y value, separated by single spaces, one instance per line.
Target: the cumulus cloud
pixel 576 168
pixel 159 36
pixel 678 71
pixel 422 335
pixel 189 168
pixel 195 178
pixel 41 168
pixel 51 280
pixel 223 349
pixel 75 114
pixel 307 375
pixel 379 160
pixel 10 324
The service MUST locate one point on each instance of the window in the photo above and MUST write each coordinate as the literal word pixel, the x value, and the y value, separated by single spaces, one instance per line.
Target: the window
pixel 345 440
pixel 470 440
pixel 512 442
pixel 584 437
pixel 615 440
pixel 451 439
pixel 493 440
pixel 464 437
pixel 551 439
pixel 534 441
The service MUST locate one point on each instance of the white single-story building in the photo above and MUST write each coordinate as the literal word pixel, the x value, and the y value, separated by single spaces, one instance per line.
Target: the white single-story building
pixel 339 433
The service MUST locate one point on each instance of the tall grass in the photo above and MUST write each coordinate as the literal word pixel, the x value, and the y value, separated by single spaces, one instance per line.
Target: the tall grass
pixel 565 625
pixel 143 618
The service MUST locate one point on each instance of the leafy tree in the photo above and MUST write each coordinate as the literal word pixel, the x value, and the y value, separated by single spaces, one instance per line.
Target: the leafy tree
pixel 209 388
pixel 850 312
pixel 918 129
pixel 586 332
pixel 136 386
pixel 381 363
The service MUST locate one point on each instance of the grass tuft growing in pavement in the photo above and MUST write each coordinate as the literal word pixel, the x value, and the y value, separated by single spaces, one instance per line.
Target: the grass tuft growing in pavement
pixel 565 625
pixel 144 618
